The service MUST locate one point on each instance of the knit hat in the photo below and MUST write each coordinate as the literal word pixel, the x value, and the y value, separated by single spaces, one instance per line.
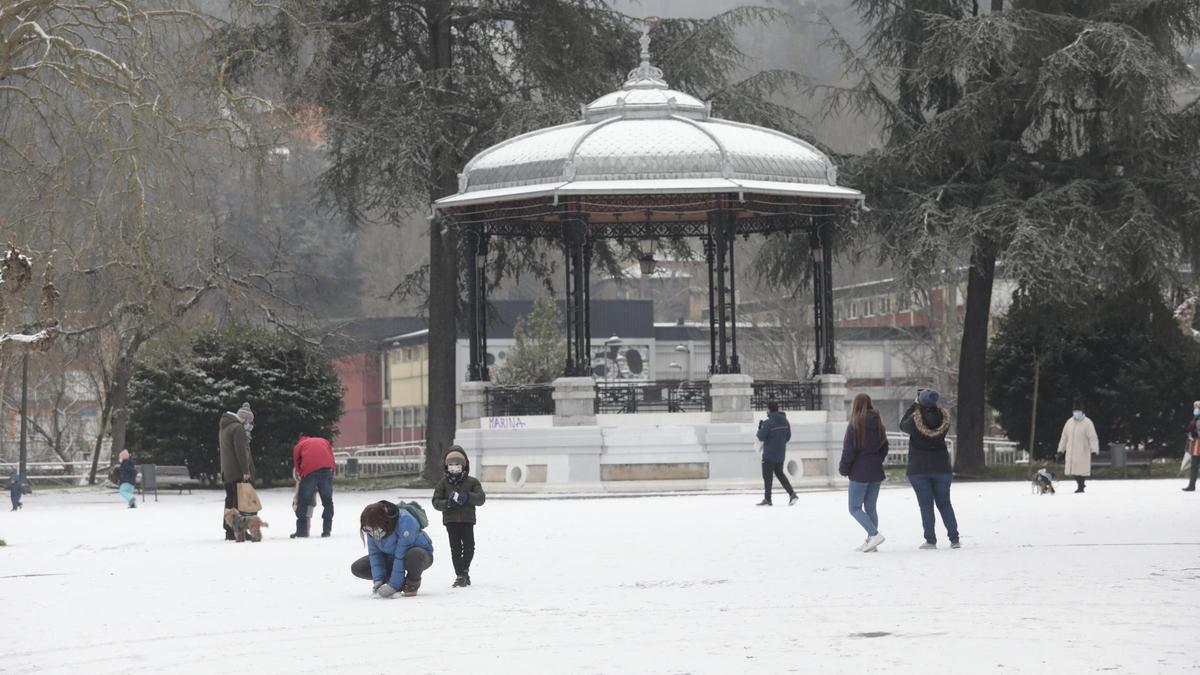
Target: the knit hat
pixel 456 455
pixel 1196 404
pixel 245 413
pixel 124 455
pixel 928 398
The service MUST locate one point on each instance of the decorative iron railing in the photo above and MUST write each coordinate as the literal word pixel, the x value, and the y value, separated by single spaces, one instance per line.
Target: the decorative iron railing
pixel 789 394
pixel 515 400
pixel 634 397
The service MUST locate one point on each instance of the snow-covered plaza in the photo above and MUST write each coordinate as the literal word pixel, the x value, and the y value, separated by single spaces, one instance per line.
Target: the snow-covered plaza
pixel 1105 581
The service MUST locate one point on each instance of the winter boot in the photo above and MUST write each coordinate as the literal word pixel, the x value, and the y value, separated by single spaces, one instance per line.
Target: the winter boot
pixel 765 502
pixel 299 535
pixel 955 544
pixel 459 582
pixel 1190 488
pixel 927 546
pixel 466 578
pixel 792 500
pixel 325 533
pixel 133 503
pixel 409 588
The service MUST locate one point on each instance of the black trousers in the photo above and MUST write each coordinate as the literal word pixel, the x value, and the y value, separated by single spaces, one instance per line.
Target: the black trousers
pixel 462 546
pixel 230 503
pixel 416 561
pixel 770 469
pixel 1080 482
pixel 1193 469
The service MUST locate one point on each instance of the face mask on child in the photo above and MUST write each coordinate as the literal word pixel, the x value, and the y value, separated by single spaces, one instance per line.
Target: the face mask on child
pixel 1078 415
pixel 1196 412
pixel 454 468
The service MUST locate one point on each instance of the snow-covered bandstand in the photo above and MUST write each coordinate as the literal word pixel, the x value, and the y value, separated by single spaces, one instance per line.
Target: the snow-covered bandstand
pixel 647 163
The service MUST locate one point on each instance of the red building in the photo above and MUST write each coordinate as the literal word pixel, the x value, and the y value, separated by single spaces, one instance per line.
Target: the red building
pixel 358 360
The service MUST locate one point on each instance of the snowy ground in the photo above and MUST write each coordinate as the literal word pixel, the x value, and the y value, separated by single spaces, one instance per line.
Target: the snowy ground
pixel 1106 581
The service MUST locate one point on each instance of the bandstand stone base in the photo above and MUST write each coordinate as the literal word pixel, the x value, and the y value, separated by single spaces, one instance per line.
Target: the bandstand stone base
pixel 645 453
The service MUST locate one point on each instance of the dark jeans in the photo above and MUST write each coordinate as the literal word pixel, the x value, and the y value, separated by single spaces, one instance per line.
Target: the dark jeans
pixel 321 482
pixel 15 495
pixel 462 546
pixel 1192 471
pixel 416 561
pixel 934 489
pixel 776 469
pixel 230 503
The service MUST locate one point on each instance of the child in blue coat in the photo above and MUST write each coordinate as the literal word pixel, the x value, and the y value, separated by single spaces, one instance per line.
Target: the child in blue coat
pixel 15 489
pixel 398 550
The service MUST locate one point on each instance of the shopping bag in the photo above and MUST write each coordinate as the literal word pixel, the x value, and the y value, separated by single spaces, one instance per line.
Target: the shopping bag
pixel 758 447
pixel 247 499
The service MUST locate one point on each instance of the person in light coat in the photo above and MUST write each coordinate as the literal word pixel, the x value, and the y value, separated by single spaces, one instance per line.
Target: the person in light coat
pixel 1078 445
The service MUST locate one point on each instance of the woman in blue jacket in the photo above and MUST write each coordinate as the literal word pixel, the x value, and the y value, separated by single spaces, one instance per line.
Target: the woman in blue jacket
pixel 398 550
pixel 863 451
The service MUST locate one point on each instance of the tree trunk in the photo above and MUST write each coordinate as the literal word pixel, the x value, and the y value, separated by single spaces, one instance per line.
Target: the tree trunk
pixel 1037 385
pixel 443 276
pixel 972 361
pixel 119 400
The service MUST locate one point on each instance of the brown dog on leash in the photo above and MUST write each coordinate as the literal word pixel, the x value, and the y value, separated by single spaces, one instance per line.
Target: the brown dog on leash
pixel 245 526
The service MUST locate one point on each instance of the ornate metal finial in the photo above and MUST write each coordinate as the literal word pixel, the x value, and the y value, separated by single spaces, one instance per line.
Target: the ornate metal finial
pixel 646 75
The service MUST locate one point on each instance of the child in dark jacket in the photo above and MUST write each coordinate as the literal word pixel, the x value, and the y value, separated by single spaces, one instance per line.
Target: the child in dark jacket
pixel 127 479
pixel 15 488
pixel 456 496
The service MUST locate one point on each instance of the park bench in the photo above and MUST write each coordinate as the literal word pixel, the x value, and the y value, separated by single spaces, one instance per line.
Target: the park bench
pixel 168 477
pixel 1135 459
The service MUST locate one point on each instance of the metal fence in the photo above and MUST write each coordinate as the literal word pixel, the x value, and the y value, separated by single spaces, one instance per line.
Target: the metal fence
pixel 377 461
pixel 53 473
pixel 516 400
pixel 789 394
pixel 996 451
pixel 634 397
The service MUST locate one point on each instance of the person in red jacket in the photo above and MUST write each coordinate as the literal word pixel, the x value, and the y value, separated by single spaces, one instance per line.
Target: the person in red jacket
pixel 313 463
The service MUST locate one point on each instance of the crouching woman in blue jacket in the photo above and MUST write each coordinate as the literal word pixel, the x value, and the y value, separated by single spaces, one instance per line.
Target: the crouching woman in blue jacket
pixel 398 550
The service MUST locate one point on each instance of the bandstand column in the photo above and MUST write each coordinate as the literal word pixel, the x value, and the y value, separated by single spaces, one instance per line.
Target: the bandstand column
pixel 477 244
pixel 821 247
pixel 575 245
pixel 721 303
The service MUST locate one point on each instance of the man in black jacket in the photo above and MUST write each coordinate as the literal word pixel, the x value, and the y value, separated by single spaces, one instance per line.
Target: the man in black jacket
pixel 775 432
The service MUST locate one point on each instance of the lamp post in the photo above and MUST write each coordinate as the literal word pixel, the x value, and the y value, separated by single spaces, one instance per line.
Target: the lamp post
pixel 684 349
pixel 24 413
pixel 611 352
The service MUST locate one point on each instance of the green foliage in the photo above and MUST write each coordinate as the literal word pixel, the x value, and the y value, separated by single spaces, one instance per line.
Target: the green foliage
pixel 541 348
pixel 177 399
pixel 1122 353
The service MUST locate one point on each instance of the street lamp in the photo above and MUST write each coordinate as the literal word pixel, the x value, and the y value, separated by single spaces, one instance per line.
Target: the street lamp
pixel 646 259
pixel 684 349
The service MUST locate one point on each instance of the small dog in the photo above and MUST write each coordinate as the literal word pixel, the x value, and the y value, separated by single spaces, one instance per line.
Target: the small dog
pixel 245 526
pixel 1043 482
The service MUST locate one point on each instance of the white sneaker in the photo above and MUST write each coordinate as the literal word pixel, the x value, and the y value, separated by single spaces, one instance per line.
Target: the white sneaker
pixel 873 542
pixel 863 546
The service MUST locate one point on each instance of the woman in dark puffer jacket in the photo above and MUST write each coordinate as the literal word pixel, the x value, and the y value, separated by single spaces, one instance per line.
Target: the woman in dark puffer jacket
pixel 863 451
pixel 929 469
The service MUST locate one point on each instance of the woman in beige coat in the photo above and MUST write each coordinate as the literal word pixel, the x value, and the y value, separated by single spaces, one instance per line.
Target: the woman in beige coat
pixel 1078 445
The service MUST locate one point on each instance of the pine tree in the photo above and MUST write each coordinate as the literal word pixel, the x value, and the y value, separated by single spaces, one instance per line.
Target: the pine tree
pixel 176 401
pixel 1042 135
pixel 539 351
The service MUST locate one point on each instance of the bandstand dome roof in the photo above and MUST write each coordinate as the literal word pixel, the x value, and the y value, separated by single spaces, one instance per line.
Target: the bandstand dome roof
pixel 647 138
